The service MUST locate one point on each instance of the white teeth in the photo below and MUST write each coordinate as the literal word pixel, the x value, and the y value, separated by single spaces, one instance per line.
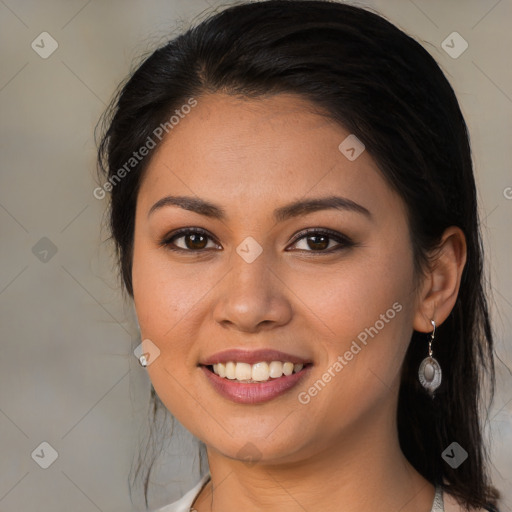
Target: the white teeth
pixel 288 368
pixel 259 372
pixel 220 369
pixel 230 370
pixel 243 371
pixel 276 369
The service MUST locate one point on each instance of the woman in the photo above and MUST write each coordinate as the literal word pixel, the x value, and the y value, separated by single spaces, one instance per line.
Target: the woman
pixel 294 208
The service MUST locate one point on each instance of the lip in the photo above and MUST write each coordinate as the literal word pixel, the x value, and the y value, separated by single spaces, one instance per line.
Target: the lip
pixel 254 392
pixel 252 357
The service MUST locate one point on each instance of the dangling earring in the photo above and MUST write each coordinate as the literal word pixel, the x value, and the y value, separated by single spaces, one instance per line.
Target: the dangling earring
pixel 430 372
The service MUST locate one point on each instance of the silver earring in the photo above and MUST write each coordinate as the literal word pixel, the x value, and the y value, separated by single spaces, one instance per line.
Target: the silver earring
pixel 143 360
pixel 430 374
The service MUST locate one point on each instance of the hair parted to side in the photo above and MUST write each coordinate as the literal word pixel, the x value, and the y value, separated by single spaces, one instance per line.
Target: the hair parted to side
pixel 384 87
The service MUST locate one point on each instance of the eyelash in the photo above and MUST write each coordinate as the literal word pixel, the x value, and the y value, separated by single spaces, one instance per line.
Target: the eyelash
pixel 344 241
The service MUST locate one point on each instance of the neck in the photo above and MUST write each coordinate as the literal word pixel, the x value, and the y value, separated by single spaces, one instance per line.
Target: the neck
pixel 364 470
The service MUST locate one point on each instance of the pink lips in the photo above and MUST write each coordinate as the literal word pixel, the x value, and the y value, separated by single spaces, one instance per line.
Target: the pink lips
pixel 253 392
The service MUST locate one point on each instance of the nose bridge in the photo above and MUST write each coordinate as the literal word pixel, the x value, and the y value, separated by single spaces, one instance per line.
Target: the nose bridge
pixel 250 276
pixel 251 295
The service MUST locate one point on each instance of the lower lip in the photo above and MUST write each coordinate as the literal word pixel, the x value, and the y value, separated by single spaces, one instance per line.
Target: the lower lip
pixel 254 392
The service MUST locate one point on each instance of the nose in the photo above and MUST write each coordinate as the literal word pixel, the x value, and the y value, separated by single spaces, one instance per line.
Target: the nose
pixel 252 296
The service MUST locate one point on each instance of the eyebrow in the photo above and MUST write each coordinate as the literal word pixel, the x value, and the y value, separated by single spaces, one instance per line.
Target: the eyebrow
pixel 294 209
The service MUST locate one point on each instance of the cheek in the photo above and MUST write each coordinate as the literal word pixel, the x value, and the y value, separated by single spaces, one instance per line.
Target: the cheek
pixel 352 295
pixel 164 297
pixel 164 293
pixel 369 307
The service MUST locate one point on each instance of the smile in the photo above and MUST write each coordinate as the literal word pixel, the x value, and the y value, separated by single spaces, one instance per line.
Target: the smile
pixel 259 372
pixel 251 391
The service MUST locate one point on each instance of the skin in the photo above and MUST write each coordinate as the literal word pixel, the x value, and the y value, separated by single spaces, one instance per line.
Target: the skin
pixel 250 156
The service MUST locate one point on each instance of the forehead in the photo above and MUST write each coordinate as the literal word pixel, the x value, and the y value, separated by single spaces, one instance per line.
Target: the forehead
pixel 248 152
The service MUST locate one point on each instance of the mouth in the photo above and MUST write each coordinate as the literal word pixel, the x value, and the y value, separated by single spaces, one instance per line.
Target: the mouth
pixel 245 383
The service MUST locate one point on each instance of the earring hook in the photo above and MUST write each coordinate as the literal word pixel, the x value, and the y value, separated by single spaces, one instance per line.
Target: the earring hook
pixel 431 338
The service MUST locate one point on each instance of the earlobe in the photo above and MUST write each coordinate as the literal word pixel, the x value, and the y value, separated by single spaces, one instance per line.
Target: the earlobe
pixel 442 279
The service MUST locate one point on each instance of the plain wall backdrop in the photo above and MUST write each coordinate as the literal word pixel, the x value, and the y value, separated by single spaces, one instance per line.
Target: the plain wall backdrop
pixel 68 376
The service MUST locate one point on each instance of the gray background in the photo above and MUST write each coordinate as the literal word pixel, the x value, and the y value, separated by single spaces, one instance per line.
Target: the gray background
pixel 67 373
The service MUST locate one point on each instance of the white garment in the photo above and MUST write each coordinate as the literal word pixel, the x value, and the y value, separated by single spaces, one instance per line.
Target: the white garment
pixel 185 503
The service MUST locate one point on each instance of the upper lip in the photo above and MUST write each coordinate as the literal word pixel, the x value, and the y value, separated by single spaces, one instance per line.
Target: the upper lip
pixel 252 357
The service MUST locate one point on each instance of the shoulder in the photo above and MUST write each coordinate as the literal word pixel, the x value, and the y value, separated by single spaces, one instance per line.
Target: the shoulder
pixel 185 502
pixel 452 505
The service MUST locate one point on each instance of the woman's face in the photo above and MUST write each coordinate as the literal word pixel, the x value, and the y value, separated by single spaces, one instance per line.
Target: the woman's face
pixel 252 280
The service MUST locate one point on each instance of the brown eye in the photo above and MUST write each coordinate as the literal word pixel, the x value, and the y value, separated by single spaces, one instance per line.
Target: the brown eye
pixel 195 241
pixel 188 240
pixel 315 240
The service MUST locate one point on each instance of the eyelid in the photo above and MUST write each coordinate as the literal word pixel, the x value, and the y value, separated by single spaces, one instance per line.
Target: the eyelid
pixel 343 240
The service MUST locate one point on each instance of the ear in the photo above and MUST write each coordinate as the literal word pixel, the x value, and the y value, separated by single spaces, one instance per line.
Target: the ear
pixel 440 286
